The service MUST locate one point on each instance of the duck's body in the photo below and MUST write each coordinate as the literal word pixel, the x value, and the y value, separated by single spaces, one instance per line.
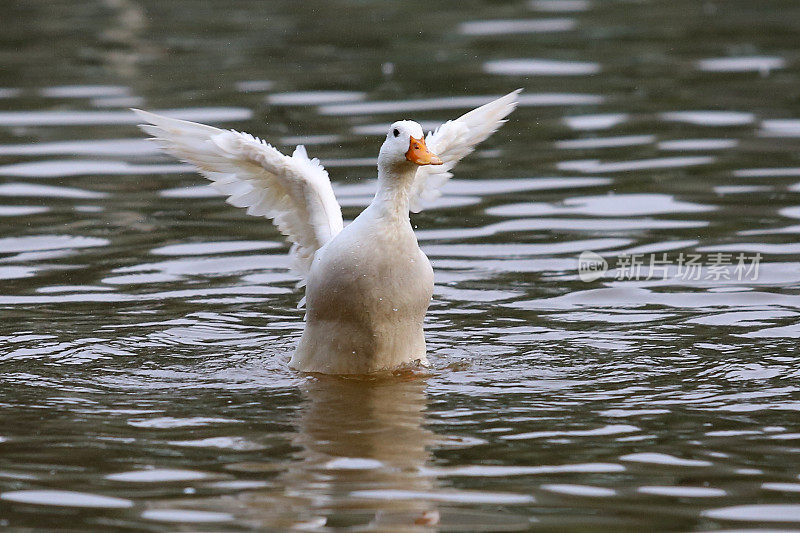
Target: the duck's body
pixel 357 326
pixel 368 285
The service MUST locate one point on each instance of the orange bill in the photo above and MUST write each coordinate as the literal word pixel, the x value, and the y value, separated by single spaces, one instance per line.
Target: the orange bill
pixel 418 153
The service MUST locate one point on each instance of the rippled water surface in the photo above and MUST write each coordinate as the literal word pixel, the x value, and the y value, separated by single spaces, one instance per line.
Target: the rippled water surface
pixel 146 325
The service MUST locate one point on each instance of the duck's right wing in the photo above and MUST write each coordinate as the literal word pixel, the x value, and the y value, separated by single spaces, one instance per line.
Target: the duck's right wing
pixel 454 140
pixel 295 192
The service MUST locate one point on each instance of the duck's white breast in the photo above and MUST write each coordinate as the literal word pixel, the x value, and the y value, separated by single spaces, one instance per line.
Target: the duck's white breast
pixel 367 295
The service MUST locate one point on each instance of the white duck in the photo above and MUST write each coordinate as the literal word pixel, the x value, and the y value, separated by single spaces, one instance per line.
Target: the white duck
pixel 368 285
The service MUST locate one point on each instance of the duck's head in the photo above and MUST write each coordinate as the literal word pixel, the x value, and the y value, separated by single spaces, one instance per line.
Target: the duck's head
pixel 405 144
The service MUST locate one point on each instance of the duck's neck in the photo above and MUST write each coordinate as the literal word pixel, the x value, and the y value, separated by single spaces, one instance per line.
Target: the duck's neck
pixel 394 186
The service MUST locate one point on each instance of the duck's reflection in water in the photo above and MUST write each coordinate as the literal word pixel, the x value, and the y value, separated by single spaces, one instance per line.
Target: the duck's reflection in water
pixel 367 438
pixel 361 447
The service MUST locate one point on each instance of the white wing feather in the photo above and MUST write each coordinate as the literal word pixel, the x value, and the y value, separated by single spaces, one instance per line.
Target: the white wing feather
pixel 295 192
pixel 454 140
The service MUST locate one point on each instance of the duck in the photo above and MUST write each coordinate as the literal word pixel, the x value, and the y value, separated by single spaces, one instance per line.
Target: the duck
pixel 368 284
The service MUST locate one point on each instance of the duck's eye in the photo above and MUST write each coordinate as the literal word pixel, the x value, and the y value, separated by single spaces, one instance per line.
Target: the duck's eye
pixel 396 132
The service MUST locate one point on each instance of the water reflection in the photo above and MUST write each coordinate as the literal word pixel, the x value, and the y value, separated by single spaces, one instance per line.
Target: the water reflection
pixel 507 27
pixel 122 37
pixel 353 435
pixel 363 434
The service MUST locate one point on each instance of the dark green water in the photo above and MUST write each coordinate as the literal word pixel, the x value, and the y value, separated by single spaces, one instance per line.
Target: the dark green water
pixel 146 325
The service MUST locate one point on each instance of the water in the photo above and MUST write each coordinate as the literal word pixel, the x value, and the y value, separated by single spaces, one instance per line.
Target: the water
pixel 147 325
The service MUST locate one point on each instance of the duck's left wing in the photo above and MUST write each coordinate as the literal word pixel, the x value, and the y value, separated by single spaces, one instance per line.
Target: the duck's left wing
pixel 294 191
pixel 454 140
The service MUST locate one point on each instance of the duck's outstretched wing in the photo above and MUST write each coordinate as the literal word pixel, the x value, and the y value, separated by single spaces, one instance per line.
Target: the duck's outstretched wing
pixel 294 192
pixel 454 140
